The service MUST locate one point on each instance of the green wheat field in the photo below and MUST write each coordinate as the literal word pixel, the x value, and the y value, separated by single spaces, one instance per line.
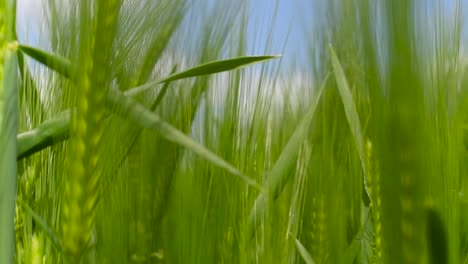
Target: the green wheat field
pixel 148 132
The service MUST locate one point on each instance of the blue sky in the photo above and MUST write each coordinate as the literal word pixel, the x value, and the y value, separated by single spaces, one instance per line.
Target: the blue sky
pixel 287 29
pixel 291 16
pixel 261 12
pixel 29 16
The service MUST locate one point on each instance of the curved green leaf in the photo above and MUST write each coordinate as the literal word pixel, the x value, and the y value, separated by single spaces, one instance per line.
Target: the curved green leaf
pixel 46 134
pixel 353 248
pixel 350 110
pixel 52 61
pixel 127 107
pixel 217 66
pixel 43 225
pixel 57 129
pixel 348 103
pixel 303 251
pixel 205 69
pixel 145 117
pixel 279 174
pixel 65 68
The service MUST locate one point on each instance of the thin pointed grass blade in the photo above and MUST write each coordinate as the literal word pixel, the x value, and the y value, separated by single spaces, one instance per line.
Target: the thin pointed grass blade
pixel 279 175
pixel 46 134
pixel 43 225
pixel 153 108
pixel 350 108
pixel 303 251
pixel 128 108
pixel 32 92
pixel 52 61
pixel 162 93
pixel 217 66
pixel 56 130
pixel 206 69
pixel 65 68
pixel 348 102
pixel 353 248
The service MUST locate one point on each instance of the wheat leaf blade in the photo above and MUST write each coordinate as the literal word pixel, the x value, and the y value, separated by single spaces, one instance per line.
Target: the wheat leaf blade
pixel 43 225
pixel 303 252
pixel 128 108
pixel 47 134
pixel 350 108
pixel 50 60
pixel 217 67
pixel 279 175
pixel 56 130
pixel 205 69
pixel 348 102
pixel 352 250
pixel 66 69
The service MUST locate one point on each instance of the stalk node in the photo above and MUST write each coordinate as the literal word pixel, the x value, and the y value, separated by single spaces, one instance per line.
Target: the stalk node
pixel 13 46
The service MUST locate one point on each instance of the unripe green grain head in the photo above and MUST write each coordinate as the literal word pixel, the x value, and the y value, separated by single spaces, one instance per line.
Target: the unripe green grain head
pixel 82 188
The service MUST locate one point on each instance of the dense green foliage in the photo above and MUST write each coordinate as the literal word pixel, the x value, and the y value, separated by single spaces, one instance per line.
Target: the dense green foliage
pixel 133 139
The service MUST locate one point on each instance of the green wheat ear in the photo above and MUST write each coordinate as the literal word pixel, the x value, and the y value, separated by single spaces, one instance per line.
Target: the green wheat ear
pixel 83 185
pixel 319 233
pixel 374 189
